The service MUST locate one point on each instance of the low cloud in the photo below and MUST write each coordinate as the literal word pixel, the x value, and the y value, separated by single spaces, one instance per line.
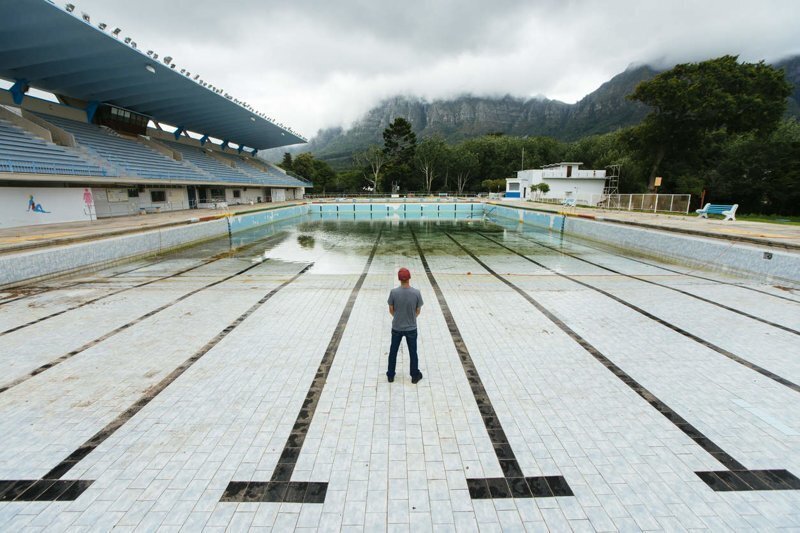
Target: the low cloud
pixel 315 64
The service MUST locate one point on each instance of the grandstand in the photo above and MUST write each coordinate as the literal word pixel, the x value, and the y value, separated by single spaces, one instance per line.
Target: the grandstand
pixel 127 133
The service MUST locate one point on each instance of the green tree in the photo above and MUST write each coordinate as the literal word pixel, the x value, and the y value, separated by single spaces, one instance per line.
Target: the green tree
pixel 464 163
pixel 494 185
pixel 372 161
pixel 693 100
pixel 286 162
pixel 399 145
pixel 317 171
pixel 430 157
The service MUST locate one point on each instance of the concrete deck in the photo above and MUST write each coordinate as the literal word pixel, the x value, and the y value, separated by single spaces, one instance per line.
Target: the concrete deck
pixel 42 235
pixel 247 390
pixel 779 235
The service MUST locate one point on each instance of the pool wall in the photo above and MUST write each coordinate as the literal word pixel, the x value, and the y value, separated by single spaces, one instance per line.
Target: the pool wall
pixel 92 255
pixel 39 264
pixel 761 262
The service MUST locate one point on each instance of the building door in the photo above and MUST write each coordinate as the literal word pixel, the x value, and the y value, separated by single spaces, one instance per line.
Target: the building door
pixel 192 192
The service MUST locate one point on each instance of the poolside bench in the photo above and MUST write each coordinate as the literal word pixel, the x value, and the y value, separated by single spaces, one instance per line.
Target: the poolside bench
pixel 729 211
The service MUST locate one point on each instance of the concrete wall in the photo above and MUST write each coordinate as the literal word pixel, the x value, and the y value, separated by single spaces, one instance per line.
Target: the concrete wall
pixel 763 262
pixel 95 254
pixel 35 264
pixel 57 204
pixel 113 201
pixel 246 195
pixel 760 262
pixel 278 195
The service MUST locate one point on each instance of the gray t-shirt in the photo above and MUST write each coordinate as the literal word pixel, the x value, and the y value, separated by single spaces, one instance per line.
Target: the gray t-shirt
pixel 405 300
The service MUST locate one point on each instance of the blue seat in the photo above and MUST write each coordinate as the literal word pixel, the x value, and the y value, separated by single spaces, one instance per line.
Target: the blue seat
pixel 128 155
pixel 23 152
pixel 728 211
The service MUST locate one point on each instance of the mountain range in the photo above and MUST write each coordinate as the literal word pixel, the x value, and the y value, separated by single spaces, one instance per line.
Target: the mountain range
pixel 604 110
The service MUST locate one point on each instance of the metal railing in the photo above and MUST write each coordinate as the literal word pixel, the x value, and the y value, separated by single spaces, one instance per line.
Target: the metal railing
pixel 403 198
pixel 37 167
pixel 653 203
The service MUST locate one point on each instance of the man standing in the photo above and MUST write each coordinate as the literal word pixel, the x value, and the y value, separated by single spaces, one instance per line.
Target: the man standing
pixel 405 303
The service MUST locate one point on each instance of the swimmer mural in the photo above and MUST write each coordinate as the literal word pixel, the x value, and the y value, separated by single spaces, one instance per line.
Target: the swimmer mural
pixel 34 207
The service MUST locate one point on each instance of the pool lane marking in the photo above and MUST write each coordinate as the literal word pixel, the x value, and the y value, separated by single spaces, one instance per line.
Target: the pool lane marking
pixel 52 487
pixel 86 282
pixel 106 336
pixel 722 351
pixel 280 488
pixel 513 484
pixel 736 478
pixel 93 300
pixel 730 283
pixel 681 291
pixel 214 258
pixel 608 252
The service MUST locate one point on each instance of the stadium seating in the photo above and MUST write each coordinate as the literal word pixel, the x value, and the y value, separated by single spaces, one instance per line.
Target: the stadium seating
pixel 267 177
pixel 131 157
pixel 198 157
pixel 23 152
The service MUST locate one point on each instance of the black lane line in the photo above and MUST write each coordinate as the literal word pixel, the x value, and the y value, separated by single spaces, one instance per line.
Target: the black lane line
pixel 691 275
pixel 280 488
pixel 120 329
pixel 214 258
pixel 87 282
pixel 681 291
pixel 737 477
pixel 93 300
pixel 722 351
pixel 513 484
pixel 30 490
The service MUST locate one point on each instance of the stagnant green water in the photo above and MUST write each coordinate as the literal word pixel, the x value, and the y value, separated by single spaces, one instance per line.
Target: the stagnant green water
pixel 340 244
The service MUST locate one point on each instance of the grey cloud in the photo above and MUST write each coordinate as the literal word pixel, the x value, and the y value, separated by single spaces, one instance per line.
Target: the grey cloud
pixel 322 63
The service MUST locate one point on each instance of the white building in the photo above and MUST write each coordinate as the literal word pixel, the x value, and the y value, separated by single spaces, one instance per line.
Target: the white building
pixel 566 180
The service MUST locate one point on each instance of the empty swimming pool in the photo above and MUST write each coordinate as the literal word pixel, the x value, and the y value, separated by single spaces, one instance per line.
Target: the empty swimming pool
pixel 240 383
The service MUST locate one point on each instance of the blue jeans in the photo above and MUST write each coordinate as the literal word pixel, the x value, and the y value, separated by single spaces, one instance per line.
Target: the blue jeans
pixel 411 341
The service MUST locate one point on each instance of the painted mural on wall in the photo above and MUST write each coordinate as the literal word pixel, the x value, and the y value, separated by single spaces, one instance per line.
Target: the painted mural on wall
pixel 33 206
pixel 25 206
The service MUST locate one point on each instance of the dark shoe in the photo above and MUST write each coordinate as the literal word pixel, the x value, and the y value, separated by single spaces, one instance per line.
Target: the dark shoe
pixel 416 378
pixel 390 378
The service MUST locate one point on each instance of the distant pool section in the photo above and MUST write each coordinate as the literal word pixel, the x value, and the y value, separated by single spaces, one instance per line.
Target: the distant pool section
pixel 765 264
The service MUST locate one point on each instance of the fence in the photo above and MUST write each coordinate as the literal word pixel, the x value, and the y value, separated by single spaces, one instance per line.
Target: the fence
pixel 653 203
pixel 384 197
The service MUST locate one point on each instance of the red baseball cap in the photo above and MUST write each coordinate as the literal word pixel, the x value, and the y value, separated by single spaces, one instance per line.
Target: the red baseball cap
pixel 403 274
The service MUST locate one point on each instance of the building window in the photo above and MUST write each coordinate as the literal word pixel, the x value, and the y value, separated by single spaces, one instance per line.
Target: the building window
pixel 133 193
pixel 158 196
pixel 513 186
pixel 237 193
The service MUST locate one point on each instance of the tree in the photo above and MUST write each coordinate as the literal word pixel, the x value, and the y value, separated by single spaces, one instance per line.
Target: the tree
pixel 692 100
pixel 374 159
pixel 319 172
pixel 542 188
pixel 430 154
pixel 464 164
pixel 324 175
pixel 286 163
pixel 494 185
pixel 399 145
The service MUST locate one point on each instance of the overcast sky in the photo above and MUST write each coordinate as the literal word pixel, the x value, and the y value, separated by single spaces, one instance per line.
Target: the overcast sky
pixel 320 63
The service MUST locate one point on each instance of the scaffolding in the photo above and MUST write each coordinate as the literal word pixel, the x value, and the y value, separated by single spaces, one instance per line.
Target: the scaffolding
pixel 610 197
pixel 612 180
